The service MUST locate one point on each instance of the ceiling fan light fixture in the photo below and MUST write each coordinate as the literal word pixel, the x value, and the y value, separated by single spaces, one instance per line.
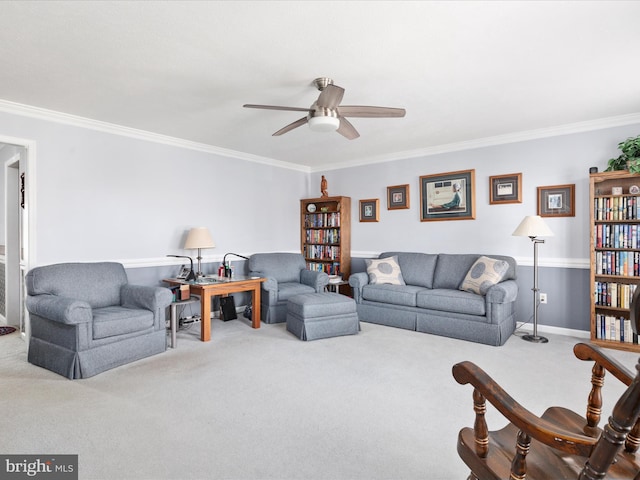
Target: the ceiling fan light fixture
pixel 324 124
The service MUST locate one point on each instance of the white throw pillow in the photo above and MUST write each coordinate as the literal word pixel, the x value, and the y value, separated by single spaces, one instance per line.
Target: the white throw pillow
pixel 484 274
pixel 384 270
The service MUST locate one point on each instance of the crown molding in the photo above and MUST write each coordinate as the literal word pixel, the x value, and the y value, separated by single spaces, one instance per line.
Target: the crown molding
pixel 105 127
pixel 524 136
pixel 82 122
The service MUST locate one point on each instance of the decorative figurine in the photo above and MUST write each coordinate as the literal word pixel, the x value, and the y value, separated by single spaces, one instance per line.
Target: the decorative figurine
pixel 323 187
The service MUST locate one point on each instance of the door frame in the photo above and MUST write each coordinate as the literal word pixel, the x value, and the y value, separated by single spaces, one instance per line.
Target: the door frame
pixel 27 245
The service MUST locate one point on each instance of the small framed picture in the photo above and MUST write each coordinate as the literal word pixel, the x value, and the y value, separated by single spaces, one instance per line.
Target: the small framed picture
pixel 369 210
pixel 505 189
pixel 557 201
pixel 398 197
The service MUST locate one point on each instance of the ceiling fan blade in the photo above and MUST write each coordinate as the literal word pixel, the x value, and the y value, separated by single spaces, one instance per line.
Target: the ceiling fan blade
pixel 291 126
pixel 275 107
pixel 347 130
pixel 370 112
pixel 330 97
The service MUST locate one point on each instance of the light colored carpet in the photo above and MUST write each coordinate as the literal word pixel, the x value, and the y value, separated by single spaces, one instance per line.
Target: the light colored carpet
pixel 260 404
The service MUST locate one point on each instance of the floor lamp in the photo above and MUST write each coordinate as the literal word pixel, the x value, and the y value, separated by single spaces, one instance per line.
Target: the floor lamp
pixel 199 237
pixel 533 226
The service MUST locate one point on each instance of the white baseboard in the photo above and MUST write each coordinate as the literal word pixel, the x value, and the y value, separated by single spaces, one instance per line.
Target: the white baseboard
pixel 569 332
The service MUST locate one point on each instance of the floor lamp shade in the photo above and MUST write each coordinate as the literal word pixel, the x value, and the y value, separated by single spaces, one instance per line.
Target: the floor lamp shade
pixel 534 226
pixel 199 238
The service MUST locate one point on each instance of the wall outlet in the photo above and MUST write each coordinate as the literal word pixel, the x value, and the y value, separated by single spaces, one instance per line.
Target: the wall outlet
pixel 543 298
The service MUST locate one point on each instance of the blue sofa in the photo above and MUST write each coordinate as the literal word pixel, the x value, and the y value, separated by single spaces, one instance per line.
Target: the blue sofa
pixel 431 301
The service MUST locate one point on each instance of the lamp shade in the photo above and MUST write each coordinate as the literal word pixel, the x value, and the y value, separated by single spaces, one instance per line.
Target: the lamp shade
pixel 199 237
pixel 533 226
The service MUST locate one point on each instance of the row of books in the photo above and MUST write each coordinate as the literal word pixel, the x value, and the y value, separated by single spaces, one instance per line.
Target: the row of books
pixel 609 327
pixel 322 219
pixel 328 268
pixel 617 208
pixel 323 252
pixel 330 235
pixel 618 263
pixel 612 294
pixel 619 235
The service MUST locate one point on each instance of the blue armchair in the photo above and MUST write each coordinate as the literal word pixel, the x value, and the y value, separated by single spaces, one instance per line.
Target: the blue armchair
pixel 286 275
pixel 86 318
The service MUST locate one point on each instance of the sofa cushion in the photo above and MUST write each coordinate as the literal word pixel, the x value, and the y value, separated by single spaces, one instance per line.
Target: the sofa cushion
pixel 451 269
pixel 392 294
pixel 384 270
pixel 484 274
pixel 455 301
pixel 320 305
pixel 112 321
pixel 288 290
pixel 417 268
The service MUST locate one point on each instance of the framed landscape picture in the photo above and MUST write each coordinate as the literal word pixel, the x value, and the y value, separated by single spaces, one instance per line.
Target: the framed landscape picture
pixel 447 196
pixel 398 197
pixel 505 189
pixel 557 201
pixel 369 210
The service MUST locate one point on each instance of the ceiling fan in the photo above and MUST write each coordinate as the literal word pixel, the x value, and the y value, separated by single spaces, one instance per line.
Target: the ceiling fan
pixel 327 115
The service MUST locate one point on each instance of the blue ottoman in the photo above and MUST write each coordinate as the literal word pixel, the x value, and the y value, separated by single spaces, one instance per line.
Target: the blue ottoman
pixel 311 316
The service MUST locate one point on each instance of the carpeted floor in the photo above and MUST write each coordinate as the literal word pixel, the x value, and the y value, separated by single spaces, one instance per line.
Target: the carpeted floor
pixel 260 404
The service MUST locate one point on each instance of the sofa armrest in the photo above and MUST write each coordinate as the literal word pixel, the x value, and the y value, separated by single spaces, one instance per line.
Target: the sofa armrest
pixel 357 281
pixel 503 292
pixel 60 309
pixel 316 280
pixel 149 298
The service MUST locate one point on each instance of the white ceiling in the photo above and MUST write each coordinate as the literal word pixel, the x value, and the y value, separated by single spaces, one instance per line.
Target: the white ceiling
pixel 464 71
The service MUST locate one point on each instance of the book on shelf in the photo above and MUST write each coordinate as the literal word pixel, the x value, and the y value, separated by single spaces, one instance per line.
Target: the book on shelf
pixel 610 327
pixel 613 294
pixel 330 268
pixel 616 208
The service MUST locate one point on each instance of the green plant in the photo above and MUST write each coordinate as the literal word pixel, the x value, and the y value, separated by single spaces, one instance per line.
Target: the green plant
pixel 629 158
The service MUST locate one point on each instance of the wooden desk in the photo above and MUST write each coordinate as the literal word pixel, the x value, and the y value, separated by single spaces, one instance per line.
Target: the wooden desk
pixel 214 286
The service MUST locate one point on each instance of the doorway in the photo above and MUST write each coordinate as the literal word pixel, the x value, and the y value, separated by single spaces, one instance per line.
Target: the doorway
pixel 15 242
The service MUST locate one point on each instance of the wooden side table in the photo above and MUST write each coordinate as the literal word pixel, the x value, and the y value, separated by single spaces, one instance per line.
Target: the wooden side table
pixel 173 317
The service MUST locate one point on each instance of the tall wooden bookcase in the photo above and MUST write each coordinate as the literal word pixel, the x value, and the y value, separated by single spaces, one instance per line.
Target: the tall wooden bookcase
pixel 615 256
pixel 325 234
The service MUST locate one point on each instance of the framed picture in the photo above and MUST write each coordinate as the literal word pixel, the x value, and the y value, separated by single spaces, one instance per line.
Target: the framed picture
pixel 447 196
pixel 505 189
pixel 398 197
pixel 369 210
pixel 557 201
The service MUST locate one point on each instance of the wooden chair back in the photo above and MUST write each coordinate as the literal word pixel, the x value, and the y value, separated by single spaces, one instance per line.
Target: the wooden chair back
pixel 560 444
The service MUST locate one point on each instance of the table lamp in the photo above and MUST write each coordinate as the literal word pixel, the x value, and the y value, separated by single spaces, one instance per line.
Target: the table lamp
pixel 533 226
pixel 199 238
